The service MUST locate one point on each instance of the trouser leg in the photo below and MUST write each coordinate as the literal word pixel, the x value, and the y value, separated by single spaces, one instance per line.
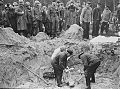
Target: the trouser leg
pixel 94 28
pixel 93 78
pixel 87 82
pixel 59 78
pixel 97 28
pixel 93 70
pixel 86 28
pixel 107 27
pixel 102 27
pixel 40 26
pixel 58 75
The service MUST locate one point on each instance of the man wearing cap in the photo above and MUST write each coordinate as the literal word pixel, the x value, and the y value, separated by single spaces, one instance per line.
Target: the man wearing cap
pixel 96 20
pixel 53 18
pixel 91 62
pixel 118 12
pixel 5 16
pixel 29 18
pixel 59 63
pixel 72 14
pixel 60 12
pixel 1 20
pixel 37 17
pixel 106 15
pixel 21 19
pixel 86 19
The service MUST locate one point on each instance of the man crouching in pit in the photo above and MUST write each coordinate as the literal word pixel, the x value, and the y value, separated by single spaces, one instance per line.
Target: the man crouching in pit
pixel 91 62
pixel 59 63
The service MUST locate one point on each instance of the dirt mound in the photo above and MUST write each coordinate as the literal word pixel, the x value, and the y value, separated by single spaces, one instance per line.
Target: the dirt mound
pixel 12 73
pixel 9 37
pixel 41 36
pixel 75 32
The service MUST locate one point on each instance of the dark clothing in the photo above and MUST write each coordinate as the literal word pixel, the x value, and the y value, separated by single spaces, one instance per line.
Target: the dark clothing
pixel 45 21
pixel 96 26
pixel 97 14
pixel 29 21
pixel 12 18
pixel 5 16
pixel 89 74
pixel 1 20
pixel 104 26
pixel 86 27
pixel 118 15
pixel 59 63
pixel 91 63
pixel 89 60
pixel 96 21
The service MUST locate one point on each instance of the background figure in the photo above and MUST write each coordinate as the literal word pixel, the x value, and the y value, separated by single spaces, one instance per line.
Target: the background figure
pixel 45 19
pixel 54 19
pixel 1 19
pixel 96 20
pixel 106 15
pixel 71 14
pixel 61 11
pixel 29 19
pixel 14 22
pixel 21 19
pixel 118 13
pixel 37 18
pixel 86 19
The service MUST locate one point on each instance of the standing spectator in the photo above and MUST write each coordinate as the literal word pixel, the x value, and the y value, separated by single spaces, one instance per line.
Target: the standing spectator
pixel 59 63
pixel 45 19
pixel 91 62
pixel 71 14
pixel 37 17
pixel 118 13
pixel 14 22
pixel 1 20
pixel 86 19
pixel 5 13
pixel 29 19
pixel 106 15
pixel 12 18
pixel 54 19
pixel 21 19
pixel 96 20
pixel 60 12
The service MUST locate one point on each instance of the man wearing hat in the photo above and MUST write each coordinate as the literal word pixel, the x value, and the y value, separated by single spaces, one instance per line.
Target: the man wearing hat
pixel 96 20
pixel 118 12
pixel 59 63
pixel 86 19
pixel 53 16
pixel 106 15
pixel 6 15
pixel 21 19
pixel 29 18
pixel 37 17
pixel 91 62
pixel 1 20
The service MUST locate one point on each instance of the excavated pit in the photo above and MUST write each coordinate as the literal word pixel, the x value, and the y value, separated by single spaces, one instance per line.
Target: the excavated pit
pixel 22 61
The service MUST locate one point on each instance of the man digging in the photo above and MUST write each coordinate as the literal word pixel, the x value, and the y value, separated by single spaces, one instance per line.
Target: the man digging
pixel 91 63
pixel 59 63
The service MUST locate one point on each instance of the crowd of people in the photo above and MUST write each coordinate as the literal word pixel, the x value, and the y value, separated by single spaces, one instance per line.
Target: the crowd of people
pixel 28 20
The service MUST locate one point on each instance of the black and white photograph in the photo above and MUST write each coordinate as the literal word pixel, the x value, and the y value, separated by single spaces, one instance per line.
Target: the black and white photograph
pixel 59 44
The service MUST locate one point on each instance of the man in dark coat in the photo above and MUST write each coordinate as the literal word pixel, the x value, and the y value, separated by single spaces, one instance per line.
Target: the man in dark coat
pixel 29 19
pixel 91 63
pixel 96 20
pixel 59 63
pixel 1 3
